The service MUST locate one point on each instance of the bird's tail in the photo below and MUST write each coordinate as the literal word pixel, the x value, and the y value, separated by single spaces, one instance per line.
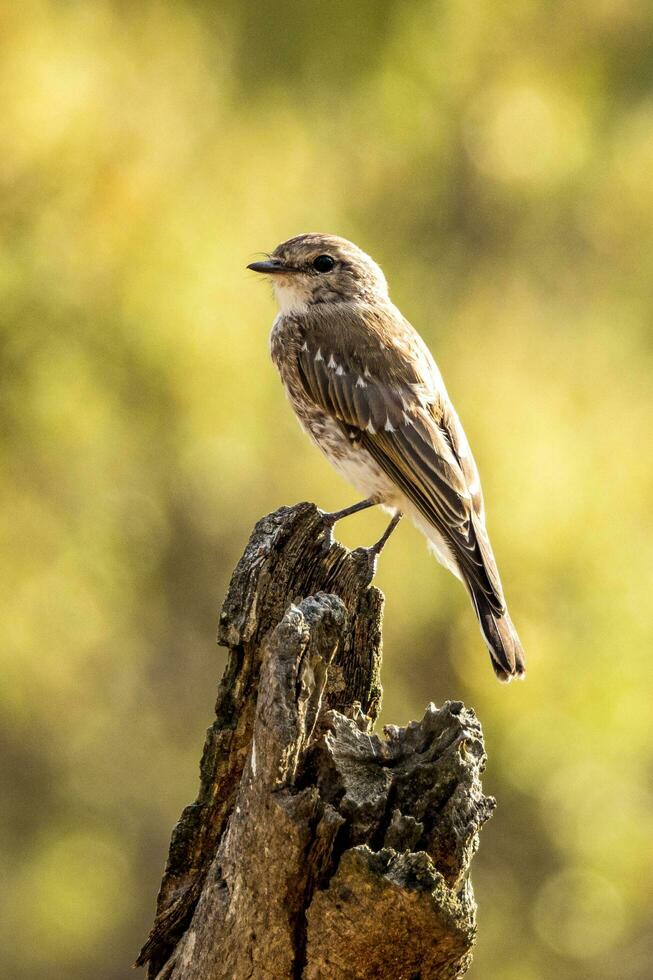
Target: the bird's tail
pixel 506 651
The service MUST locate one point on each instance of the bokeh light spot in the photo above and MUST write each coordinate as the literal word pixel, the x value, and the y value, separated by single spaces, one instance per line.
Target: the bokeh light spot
pixel 74 890
pixel 525 133
pixel 579 913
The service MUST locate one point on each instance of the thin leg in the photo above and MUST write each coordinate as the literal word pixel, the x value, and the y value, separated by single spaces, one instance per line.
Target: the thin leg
pixel 337 515
pixel 380 544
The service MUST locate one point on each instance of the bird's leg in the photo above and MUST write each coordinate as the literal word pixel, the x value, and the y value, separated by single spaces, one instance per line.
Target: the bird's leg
pixel 377 548
pixel 354 509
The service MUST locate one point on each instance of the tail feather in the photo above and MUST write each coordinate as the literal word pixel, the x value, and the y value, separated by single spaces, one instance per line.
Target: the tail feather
pixel 506 651
pixel 486 594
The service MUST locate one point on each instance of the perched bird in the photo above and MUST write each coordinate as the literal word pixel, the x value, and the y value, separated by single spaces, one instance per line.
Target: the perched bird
pixel 367 390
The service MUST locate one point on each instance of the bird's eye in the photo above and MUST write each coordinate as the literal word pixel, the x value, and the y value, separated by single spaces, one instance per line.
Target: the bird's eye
pixel 323 263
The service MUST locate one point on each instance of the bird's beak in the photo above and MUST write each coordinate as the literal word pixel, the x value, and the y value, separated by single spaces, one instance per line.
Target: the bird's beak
pixel 270 267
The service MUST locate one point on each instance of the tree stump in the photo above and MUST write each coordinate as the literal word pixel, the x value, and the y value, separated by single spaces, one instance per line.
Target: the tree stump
pixel 315 848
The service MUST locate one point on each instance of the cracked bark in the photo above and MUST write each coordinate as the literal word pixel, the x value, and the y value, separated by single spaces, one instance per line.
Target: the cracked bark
pixel 315 848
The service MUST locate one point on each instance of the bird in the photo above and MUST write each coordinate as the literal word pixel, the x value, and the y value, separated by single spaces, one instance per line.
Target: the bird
pixel 366 389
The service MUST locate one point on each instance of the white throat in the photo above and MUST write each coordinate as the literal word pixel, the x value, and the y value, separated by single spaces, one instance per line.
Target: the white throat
pixel 290 298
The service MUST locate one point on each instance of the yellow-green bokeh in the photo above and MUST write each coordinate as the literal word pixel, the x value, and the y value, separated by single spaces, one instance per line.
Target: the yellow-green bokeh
pixel 496 159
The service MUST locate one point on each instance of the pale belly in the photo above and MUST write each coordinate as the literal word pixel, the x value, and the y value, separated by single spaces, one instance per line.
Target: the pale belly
pixel 360 470
pixel 352 462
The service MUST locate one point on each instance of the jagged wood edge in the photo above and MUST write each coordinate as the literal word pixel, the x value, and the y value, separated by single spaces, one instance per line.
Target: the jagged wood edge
pixel 291 554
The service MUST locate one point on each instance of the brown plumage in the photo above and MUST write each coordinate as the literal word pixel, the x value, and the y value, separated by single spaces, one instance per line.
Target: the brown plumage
pixel 366 388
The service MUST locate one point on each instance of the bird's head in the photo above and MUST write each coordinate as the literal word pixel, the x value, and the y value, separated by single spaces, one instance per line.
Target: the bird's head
pixel 313 268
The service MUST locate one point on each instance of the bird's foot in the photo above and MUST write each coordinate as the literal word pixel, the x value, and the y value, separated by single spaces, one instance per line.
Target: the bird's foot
pixel 373 552
pixel 337 515
pixel 377 548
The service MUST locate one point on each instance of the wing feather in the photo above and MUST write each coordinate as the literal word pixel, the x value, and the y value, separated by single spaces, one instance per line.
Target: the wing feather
pixel 386 387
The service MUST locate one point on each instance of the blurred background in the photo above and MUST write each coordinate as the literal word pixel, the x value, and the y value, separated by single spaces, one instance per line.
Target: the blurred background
pixel 497 159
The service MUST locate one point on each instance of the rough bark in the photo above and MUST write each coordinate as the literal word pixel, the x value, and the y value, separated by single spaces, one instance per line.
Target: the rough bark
pixel 317 849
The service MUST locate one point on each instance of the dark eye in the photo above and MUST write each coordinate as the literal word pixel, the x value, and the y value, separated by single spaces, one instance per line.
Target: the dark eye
pixel 323 263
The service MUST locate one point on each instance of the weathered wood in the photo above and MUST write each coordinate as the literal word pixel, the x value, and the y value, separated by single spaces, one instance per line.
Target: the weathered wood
pixel 315 848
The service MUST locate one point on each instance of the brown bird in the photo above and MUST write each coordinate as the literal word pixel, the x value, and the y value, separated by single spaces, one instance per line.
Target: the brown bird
pixel 367 390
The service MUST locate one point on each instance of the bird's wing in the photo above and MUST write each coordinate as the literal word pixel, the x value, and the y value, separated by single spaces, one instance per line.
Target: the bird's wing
pixel 385 390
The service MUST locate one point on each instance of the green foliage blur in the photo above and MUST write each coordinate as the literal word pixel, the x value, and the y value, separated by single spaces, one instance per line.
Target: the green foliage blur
pixel 497 159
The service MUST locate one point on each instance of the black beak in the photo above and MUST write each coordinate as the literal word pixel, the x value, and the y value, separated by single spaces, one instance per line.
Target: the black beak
pixel 269 267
